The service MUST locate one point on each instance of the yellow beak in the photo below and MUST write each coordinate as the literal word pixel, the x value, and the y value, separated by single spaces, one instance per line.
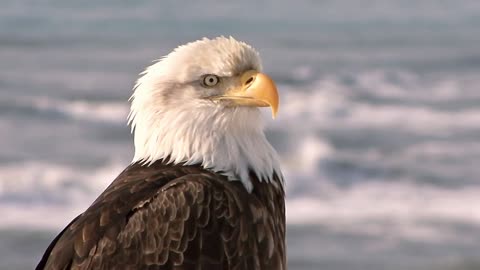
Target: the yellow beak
pixel 256 90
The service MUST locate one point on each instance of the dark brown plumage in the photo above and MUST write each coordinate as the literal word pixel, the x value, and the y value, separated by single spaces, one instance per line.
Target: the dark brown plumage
pixel 175 217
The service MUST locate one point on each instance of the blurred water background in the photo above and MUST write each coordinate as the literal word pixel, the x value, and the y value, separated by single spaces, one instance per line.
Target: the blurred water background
pixel 378 130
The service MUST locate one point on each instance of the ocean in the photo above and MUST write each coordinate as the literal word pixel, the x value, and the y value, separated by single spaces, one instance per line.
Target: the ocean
pixel 378 129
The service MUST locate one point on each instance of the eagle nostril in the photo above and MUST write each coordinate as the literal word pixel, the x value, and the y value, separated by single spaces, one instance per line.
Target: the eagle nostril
pixel 250 80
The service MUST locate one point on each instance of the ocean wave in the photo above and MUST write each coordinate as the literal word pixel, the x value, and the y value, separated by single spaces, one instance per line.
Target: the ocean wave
pixel 52 183
pixel 331 129
pixel 32 191
pixel 331 102
pixel 406 86
pixel 106 111
pixel 311 159
pixel 395 210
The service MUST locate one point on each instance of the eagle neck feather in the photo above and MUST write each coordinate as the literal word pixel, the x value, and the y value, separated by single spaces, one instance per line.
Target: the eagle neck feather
pixel 229 141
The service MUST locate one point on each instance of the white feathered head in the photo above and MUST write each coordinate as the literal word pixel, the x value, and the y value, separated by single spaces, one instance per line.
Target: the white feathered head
pixel 199 105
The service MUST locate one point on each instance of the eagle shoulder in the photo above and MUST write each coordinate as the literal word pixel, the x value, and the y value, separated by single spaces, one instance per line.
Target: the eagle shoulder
pixel 172 218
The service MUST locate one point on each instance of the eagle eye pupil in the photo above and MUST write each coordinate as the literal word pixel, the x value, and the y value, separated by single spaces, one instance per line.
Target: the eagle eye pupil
pixel 210 80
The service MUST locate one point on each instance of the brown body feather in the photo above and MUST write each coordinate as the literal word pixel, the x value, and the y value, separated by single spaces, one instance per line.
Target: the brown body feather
pixel 175 217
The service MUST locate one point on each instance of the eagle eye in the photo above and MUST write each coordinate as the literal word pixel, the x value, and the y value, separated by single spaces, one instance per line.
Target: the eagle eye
pixel 210 80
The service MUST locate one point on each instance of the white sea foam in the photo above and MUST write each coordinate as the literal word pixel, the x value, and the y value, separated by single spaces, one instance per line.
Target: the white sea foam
pixel 398 84
pixel 42 195
pixel 115 112
pixel 331 103
pixel 395 210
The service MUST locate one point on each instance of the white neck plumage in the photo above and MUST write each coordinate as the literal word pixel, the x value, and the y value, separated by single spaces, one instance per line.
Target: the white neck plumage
pixel 226 140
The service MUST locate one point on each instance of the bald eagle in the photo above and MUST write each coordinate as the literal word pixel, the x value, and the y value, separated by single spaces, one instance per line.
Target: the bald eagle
pixel 204 189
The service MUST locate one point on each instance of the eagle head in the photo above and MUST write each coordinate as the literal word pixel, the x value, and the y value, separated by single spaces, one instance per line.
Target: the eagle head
pixel 199 105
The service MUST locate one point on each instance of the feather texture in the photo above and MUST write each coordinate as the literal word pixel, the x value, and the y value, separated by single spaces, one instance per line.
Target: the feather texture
pixel 175 217
pixel 172 120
